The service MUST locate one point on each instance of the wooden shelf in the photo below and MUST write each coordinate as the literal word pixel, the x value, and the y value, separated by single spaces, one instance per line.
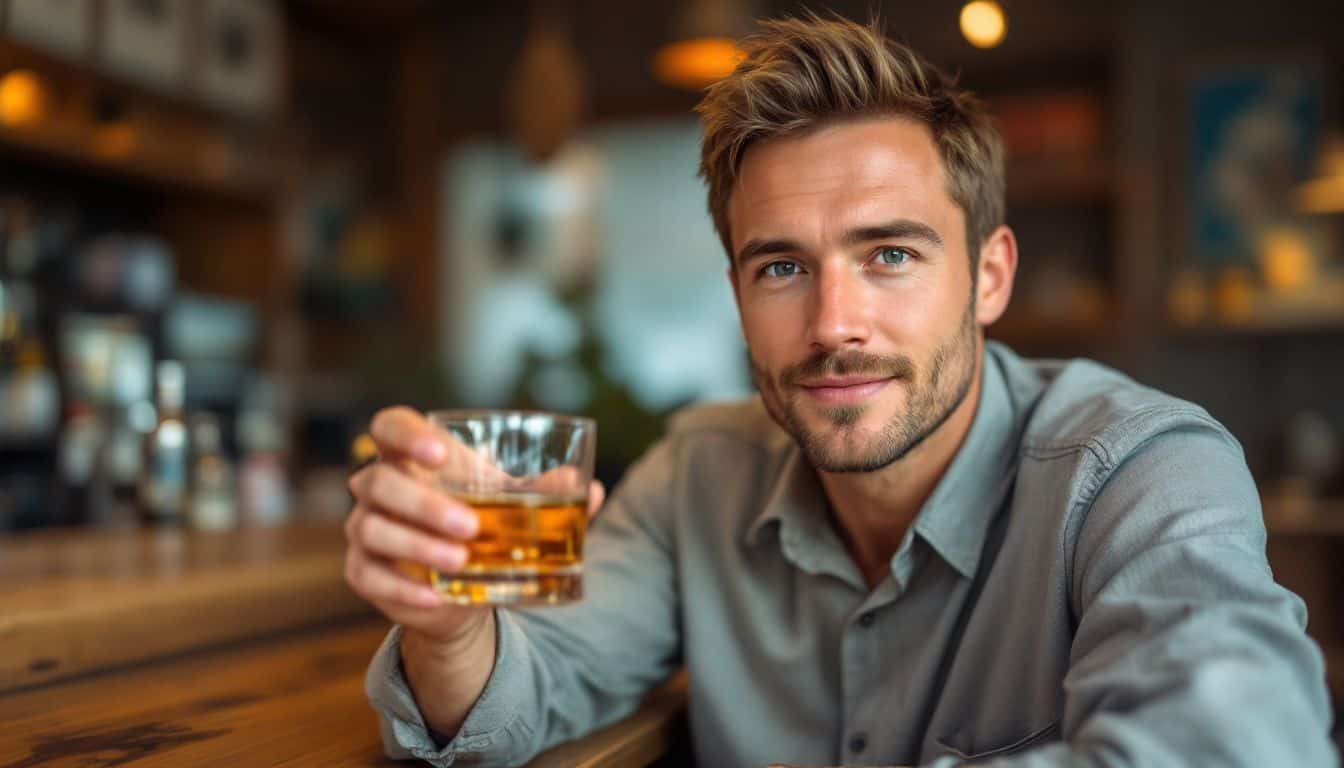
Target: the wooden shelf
pixel 1031 328
pixel 77 154
pixel 1311 518
pixel 111 129
pixel 1054 181
pixel 1258 328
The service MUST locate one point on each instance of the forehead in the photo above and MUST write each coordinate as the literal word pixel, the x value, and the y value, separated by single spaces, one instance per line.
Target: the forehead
pixel 840 175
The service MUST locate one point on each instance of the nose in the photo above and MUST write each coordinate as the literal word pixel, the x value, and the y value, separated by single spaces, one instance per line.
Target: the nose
pixel 839 308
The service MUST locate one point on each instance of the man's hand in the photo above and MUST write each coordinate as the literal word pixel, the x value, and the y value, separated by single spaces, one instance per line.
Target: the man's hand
pixel 402 524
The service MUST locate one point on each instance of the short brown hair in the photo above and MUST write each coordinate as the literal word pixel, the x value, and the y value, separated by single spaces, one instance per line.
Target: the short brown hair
pixel 800 74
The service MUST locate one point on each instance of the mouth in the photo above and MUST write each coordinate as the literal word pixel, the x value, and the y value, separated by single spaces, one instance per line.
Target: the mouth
pixel 843 390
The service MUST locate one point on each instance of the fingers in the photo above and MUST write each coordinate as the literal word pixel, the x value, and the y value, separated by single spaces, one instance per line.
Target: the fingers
pixel 384 487
pixel 402 430
pixel 375 580
pixel 385 537
pixel 567 481
pixel 597 493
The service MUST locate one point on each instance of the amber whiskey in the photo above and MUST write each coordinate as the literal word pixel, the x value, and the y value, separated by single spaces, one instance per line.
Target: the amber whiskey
pixel 529 550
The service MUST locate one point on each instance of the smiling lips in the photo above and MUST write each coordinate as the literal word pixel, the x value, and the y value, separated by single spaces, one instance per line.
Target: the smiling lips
pixel 844 390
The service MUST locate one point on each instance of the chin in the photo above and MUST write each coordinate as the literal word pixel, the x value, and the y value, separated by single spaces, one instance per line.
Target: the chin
pixel 851 448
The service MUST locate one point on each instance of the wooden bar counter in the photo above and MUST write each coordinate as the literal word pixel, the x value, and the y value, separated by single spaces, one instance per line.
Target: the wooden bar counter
pixel 173 648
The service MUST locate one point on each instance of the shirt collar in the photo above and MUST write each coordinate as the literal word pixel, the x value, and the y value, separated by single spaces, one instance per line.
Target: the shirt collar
pixel 955 519
pixel 797 505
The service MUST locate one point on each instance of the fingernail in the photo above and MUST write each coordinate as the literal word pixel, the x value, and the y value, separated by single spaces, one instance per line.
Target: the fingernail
pixel 429 450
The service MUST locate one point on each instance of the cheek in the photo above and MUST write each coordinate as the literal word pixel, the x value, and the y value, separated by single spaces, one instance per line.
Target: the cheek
pixel 771 327
pixel 923 309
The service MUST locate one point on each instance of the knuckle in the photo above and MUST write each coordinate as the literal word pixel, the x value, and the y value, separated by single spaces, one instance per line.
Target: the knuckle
pixel 387 422
pixel 423 551
pixel 432 512
pixel 355 483
pixel 367 528
pixel 354 572
pixel 379 423
pixel 385 485
pixel 376 484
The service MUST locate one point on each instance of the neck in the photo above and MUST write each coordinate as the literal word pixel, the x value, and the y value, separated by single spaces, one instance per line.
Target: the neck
pixel 874 510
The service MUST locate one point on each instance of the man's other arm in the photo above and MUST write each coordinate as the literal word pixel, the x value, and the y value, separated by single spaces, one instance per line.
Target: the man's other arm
pixel 1187 652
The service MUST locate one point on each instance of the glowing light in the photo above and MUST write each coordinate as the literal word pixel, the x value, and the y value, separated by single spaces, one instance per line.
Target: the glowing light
pixel 983 23
pixel 1322 195
pixel 1286 261
pixel 1325 192
pixel 23 98
pixel 698 62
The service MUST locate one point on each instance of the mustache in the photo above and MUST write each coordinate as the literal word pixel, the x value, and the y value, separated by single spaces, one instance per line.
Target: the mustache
pixel 849 364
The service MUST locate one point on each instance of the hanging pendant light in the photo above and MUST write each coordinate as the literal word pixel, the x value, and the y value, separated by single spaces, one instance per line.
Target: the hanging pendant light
pixel 983 23
pixel 704 45
pixel 547 92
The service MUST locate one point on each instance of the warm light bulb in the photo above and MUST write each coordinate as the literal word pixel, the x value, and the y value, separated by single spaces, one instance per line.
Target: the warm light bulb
pixel 23 98
pixel 983 23
pixel 696 63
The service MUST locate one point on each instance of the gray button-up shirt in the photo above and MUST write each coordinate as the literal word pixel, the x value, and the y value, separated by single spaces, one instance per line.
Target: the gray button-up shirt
pixel 1087 585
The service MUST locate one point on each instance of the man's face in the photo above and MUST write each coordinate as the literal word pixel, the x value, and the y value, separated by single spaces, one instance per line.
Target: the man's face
pixel 854 288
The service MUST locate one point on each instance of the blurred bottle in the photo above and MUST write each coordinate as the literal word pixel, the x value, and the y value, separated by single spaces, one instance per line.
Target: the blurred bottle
pixel 80 439
pixel 163 481
pixel 263 480
pixel 115 488
pixel 29 397
pixel 213 504
pixel 29 394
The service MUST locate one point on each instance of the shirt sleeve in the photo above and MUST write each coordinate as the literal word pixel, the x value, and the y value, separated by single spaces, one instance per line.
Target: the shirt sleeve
pixel 1186 649
pixel 562 671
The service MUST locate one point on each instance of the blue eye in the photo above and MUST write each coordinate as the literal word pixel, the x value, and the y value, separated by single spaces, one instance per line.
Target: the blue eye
pixel 893 255
pixel 780 269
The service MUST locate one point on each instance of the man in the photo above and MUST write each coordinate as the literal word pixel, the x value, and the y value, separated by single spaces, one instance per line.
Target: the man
pixel 915 546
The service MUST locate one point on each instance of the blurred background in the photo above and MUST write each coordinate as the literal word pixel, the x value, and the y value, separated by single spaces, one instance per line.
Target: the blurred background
pixel 230 230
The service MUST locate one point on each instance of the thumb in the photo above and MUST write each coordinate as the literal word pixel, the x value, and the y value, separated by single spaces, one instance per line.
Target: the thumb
pixel 596 495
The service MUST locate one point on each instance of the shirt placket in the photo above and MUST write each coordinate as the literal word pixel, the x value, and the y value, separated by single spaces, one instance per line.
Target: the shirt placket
pixel 861 665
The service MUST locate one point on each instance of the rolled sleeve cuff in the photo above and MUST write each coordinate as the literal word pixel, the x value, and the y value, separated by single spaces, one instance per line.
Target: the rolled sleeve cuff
pixel 494 733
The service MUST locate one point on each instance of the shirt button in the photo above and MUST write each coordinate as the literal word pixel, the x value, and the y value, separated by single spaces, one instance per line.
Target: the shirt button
pixel 867 619
pixel 858 743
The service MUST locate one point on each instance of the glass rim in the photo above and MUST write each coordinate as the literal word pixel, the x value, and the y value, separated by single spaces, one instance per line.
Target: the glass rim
pixel 458 415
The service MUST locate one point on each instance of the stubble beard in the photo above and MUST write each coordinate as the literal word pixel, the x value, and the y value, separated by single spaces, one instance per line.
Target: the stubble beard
pixel 930 403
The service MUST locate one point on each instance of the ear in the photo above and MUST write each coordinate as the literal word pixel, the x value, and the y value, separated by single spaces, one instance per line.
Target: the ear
pixel 994 275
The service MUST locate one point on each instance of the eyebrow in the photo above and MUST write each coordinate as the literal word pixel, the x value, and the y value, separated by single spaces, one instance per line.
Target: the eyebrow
pixel 900 229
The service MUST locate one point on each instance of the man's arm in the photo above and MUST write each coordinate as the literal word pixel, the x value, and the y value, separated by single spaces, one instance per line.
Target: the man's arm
pixel 1186 650
pixel 448 678
pixel 560 672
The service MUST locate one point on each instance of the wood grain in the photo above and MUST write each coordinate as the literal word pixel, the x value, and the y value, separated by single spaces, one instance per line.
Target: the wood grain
pixel 296 700
pixel 76 602
pixel 634 742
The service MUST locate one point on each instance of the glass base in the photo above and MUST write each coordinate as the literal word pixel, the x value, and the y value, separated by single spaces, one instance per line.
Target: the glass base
pixel 510 587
